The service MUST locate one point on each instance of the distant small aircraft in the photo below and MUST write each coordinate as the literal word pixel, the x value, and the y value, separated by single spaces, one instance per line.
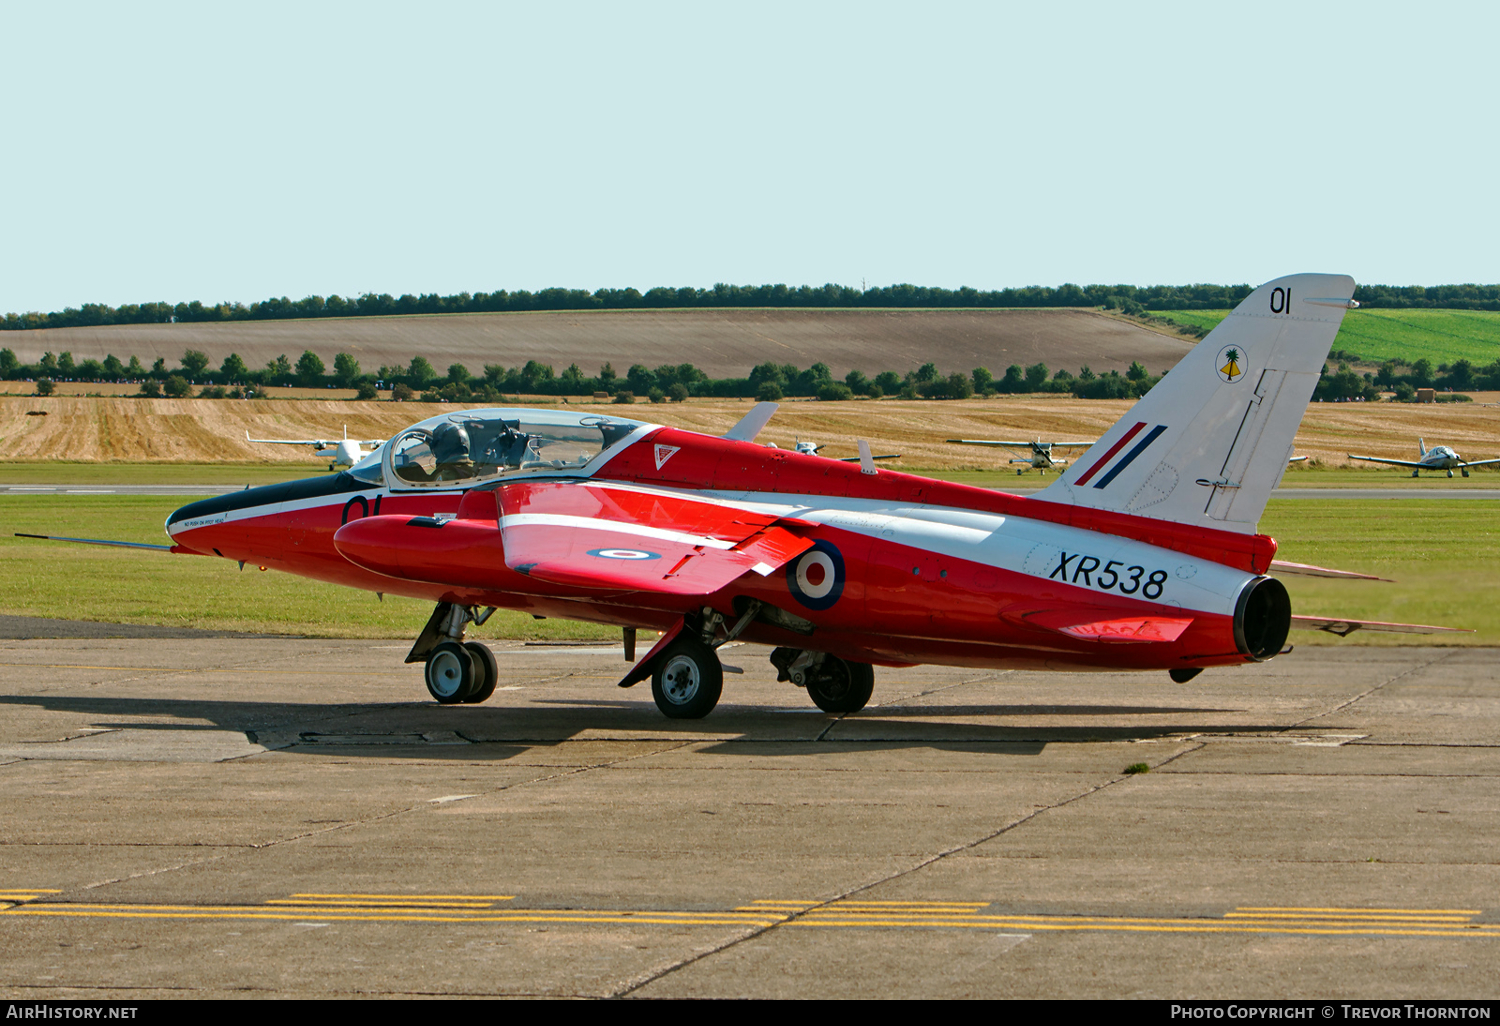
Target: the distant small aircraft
pixel 344 453
pixel 1037 455
pixel 1439 457
pixel 813 448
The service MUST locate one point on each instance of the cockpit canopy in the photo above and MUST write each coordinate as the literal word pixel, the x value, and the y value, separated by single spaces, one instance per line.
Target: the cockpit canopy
pixel 461 449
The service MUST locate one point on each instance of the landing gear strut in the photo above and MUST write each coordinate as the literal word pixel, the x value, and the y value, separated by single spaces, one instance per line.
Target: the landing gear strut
pixel 835 685
pixel 456 670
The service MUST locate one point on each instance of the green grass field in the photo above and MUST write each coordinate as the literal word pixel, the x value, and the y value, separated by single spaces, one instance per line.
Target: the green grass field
pixel 64 472
pixel 1443 555
pixel 1442 336
pixel 90 582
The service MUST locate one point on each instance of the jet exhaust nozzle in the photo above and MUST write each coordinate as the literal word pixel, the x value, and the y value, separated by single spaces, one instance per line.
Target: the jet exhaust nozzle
pixel 1262 618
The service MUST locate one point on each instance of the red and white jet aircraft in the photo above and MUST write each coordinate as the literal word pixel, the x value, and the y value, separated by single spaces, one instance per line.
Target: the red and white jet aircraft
pixel 1142 555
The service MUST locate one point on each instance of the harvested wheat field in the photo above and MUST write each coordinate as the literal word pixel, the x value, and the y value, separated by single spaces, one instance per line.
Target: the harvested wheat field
pixel 213 430
pixel 724 343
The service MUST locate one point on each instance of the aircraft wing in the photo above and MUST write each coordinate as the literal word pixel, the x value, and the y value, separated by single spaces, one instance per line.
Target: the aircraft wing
pixel 1344 628
pixel 855 459
pixel 319 442
pixel 1017 445
pixel 1478 463
pixel 615 539
pixel 1394 463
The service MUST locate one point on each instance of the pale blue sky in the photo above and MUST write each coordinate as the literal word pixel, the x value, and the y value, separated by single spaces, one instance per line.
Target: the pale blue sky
pixel 218 151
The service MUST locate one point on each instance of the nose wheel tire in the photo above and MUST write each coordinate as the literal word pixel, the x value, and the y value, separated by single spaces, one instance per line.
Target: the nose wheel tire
pixel 451 673
pixel 487 672
pixel 688 680
pixel 840 686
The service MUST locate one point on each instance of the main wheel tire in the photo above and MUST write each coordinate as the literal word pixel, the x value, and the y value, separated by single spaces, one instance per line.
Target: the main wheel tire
pixel 688 680
pixel 840 686
pixel 486 672
pixel 450 673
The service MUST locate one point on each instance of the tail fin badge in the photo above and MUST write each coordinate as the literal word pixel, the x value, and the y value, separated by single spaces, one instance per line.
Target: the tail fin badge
pixel 1231 363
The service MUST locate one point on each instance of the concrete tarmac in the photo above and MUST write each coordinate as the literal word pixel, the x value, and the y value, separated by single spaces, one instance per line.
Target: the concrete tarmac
pixel 294 817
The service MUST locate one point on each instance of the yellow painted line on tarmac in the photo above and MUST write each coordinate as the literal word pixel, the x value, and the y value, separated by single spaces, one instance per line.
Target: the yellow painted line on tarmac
pixel 455 906
pixel 1272 917
pixel 1271 908
pixel 406 897
pixel 321 914
pixel 1195 926
pixel 765 913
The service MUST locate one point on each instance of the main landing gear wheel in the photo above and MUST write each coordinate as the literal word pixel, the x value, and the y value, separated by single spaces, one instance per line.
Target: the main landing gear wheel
pixel 486 672
pixel 451 673
pixel 840 686
pixel 688 680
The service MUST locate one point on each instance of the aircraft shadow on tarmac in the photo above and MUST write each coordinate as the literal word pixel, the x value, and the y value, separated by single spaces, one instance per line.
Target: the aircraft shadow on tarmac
pixel 428 731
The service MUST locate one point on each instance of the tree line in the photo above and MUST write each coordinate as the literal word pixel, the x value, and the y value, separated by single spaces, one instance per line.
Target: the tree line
pixel 233 378
pixel 677 382
pixel 1129 298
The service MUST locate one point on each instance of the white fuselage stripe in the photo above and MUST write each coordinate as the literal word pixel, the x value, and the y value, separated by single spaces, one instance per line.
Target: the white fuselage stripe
pixel 613 526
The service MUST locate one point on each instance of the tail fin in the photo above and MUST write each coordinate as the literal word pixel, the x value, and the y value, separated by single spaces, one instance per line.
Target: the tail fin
pixel 1208 444
pixel 1421 447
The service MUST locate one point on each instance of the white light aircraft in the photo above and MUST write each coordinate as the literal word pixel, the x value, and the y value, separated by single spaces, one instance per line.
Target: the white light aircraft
pixel 813 448
pixel 1038 454
pixel 1439 457
pixel 344 453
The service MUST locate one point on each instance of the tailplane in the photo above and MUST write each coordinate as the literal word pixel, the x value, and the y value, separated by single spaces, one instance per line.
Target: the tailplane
pixel 1208 444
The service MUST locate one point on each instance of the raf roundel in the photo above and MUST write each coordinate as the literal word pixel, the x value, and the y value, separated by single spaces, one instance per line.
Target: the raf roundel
pixel 1231 364
pixel 816 578
pixel 624 554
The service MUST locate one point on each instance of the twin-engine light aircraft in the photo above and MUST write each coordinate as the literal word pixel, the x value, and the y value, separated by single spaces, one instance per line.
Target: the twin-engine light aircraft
pixel 1037 455
pixel 345 453
pixel 1143 554
pixel 1439 457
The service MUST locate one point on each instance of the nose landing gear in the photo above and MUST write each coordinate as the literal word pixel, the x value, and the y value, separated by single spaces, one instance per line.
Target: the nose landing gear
pixel 456 670
pixel 688 680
